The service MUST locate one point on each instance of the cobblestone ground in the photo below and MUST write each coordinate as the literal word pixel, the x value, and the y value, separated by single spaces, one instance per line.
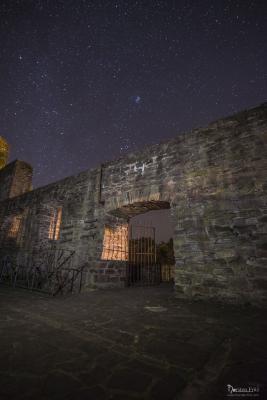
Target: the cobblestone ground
pixel 136 343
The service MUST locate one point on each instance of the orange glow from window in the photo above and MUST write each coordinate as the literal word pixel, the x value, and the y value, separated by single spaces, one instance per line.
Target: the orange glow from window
pixel 15 226
pixel 3 152
pixel 115 243
pixel 55 222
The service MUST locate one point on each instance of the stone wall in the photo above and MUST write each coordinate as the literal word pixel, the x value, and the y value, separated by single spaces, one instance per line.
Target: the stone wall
pixel 214 181
pixel 75 195
pixel 15 179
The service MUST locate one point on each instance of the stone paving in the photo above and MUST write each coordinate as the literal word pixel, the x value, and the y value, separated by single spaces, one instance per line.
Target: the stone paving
pixel 136 343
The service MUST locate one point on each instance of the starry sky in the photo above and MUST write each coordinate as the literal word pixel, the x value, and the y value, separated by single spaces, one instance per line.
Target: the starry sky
pixel 86 81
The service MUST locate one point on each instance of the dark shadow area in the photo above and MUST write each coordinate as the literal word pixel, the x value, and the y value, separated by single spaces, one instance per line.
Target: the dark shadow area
pixel 135 343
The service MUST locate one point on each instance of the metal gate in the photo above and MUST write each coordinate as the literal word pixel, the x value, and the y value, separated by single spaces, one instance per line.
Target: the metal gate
pixel 142 266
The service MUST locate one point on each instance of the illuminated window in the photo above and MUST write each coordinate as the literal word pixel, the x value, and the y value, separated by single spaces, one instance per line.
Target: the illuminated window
pixel 3 152
pixel 55 221
pixel 15 226
pixel 115 243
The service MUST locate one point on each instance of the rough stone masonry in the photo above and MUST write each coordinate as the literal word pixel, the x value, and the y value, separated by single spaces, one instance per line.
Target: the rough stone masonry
pixel 213 180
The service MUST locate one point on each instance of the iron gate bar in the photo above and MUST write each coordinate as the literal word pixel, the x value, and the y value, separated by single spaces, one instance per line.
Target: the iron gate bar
pixel 142 268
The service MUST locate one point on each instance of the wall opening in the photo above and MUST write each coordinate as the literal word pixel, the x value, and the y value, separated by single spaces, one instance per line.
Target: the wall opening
pixel 55 222
pixel 144 241
pixel 151 253
pixel 15 226
pixel 115 242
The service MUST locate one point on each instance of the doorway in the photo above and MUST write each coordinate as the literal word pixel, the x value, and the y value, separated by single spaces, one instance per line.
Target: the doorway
pixel 150 245
pixel 138 244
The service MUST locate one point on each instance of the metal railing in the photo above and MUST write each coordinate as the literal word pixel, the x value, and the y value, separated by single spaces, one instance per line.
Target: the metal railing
pixel 51 272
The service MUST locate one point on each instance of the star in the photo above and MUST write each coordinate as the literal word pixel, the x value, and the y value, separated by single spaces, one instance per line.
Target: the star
pixel 137 99
pixel 93 81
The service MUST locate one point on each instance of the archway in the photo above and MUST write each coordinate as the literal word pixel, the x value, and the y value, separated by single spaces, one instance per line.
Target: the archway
pixel 141 236
pixel 151 245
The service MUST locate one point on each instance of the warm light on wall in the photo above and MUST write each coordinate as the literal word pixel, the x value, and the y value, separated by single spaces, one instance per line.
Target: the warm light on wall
pixel 55 222
pixel 15 226
pixel 4 149
pixel 115 243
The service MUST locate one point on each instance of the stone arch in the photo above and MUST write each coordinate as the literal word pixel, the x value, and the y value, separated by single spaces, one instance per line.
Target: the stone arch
pixel 135 202
pixel 130 210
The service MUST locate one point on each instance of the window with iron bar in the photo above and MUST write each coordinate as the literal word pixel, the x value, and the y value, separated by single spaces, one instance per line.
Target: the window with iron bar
pixel 115 243
pixel 14 226
pixel 55 222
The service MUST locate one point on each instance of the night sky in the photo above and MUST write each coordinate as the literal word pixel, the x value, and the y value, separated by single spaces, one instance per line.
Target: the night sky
pixel 83 82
